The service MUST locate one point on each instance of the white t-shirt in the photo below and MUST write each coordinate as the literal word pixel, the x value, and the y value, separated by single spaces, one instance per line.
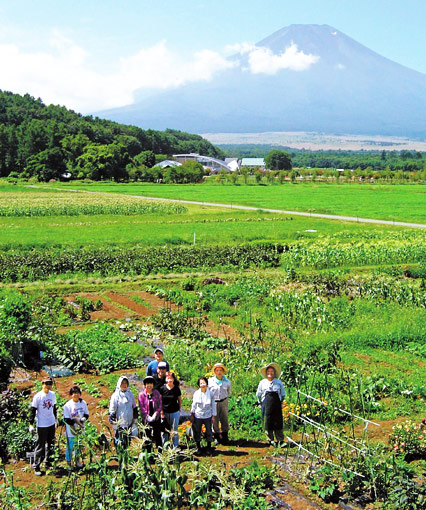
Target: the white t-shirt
pixel 75 410
pixel 44 403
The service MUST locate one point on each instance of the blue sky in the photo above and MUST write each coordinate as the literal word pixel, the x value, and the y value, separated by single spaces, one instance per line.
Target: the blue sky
pixel 91 55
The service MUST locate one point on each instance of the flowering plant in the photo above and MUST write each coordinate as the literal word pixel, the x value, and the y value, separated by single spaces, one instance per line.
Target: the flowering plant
pixel 291 410
pixel 409 438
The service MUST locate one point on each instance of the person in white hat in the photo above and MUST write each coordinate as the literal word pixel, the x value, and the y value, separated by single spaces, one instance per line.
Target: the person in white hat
pixel 220 387
pixel 270 393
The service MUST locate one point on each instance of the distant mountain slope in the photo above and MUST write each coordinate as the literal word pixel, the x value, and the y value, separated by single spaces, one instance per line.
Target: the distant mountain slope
pixel 347 88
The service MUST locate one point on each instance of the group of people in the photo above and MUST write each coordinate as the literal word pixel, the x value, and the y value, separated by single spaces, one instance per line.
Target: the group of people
pixel 156 411
pixel 159 405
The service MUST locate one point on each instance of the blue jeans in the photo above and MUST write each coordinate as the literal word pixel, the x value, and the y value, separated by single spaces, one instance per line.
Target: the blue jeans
pixel 173 419
pixel 70 448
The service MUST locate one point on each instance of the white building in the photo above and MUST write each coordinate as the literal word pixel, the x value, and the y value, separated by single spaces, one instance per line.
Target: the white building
pixel 233 164
pixel 253 163
pixel 213 164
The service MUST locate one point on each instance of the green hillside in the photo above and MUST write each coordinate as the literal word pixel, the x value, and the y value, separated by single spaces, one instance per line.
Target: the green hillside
pixel 47 141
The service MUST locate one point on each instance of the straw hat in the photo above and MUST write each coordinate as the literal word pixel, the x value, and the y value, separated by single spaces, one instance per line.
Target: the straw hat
pixel 219 365
pixel 275 366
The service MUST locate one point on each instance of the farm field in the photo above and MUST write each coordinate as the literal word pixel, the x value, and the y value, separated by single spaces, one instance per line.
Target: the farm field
pixel 34 217
pixel 386 202
pixel 96 281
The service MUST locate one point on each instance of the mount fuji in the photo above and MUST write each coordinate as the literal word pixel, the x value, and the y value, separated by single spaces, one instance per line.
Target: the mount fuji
pixel 301 78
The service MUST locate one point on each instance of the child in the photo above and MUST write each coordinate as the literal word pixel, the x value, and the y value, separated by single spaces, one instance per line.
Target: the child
pixel 76 413
pixel 44 406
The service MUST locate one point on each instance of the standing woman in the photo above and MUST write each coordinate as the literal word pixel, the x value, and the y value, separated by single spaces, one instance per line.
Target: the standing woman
pixel 220 386
pixel 150 405
pixel 123 412
pixel 203 412
pixel 76 413
pixel 270 393
pixel 172 403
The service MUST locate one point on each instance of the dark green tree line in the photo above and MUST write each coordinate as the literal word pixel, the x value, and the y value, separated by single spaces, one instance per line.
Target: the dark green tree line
pixel 46 141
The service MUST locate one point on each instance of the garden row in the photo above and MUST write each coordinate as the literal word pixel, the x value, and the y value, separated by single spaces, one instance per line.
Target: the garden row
pixel 40 264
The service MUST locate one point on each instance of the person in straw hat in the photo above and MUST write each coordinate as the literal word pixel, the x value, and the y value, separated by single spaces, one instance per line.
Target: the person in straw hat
pixel 270 393
pixel 220 386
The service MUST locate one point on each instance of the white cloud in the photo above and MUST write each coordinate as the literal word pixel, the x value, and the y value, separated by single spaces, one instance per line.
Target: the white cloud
pixel 62 72
pixel 159 68
pixel 263 60
pixel 62 75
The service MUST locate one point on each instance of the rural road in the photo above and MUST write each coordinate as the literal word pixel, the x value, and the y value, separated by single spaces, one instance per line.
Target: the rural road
pixel 294 213
pixel 280 211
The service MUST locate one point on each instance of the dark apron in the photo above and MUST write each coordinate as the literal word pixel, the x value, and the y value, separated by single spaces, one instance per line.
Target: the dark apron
pixel 271 411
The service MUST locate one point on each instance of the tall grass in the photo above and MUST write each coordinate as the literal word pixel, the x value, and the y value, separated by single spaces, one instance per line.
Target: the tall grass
pixel 76 204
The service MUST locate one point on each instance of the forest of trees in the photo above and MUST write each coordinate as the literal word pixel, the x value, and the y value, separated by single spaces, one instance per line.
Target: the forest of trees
pixel 394 161
pixel 47 141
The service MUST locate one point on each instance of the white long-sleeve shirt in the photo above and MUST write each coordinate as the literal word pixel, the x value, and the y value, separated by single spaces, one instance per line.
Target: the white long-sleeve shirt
pixel 220 389
pixel 203 404
pixel 275 385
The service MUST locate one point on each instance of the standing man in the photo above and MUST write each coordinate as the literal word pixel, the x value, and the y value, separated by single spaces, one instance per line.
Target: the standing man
pixel 220 387
pixel 160 376
pixel 44 406
pixel 151 369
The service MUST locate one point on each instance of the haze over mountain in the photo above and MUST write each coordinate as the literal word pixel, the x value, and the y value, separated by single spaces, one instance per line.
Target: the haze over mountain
pixel 300 78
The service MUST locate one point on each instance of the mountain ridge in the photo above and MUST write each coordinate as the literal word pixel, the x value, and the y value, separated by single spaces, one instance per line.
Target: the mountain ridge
pixel 345 87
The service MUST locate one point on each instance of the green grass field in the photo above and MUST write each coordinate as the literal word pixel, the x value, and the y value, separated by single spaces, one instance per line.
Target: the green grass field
pixel 209 225
pixel 386 202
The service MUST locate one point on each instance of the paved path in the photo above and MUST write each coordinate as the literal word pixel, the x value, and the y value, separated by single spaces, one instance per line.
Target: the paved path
pixel 281 211
pixel 294 213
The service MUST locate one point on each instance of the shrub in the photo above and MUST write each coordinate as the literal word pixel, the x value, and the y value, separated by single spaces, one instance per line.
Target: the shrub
pixel 41 264
pixel 18 439
pixel 409 438
pixel 101 347
pixel 6 364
